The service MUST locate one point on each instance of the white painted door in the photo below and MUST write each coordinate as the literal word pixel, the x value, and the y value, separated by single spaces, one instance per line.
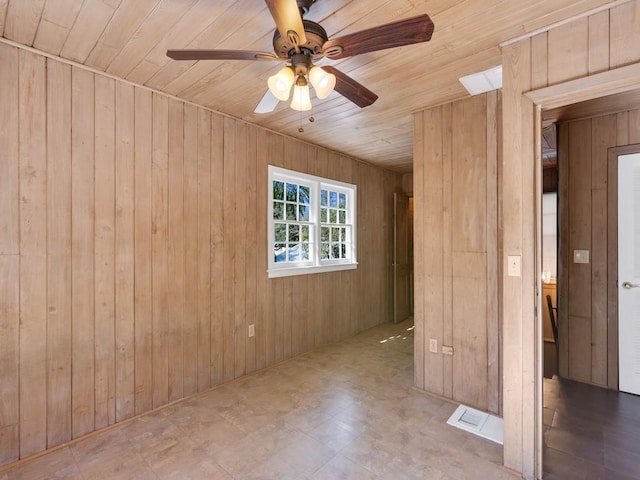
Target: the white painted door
pixel 629 272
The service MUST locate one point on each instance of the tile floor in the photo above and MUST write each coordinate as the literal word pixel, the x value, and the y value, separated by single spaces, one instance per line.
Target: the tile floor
pixel 590 433
pixel 346 411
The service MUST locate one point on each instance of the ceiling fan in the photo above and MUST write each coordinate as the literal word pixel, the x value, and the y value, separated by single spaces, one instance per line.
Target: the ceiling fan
pixel 301 42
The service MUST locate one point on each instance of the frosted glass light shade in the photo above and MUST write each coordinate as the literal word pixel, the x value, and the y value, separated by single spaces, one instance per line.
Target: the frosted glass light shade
pixel 323 82
pixel 301 99
pixel 280 83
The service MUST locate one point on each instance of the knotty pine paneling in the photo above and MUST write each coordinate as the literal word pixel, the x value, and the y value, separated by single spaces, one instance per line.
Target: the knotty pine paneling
pixel 583 161
pixel 124 252
pixel 143 333
pixel 175 239
pixel 104 244
pixel 136 259
pixel 9 258
pixel 82 251
pixel 59 253
pixel 32 161
pixel 525 64
pixel 456 179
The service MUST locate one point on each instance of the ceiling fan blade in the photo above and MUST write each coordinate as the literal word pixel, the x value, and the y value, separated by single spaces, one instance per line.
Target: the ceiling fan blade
pixel 397 34
pixel 220 55
pixel 286 14
pixel 268 103
pixel 350 89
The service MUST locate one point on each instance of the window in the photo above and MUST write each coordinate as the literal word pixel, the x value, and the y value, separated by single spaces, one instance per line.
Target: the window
pixel 312 224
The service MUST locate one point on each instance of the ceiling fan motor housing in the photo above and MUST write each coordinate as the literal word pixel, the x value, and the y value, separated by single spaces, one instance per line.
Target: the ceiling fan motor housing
pixel 316 37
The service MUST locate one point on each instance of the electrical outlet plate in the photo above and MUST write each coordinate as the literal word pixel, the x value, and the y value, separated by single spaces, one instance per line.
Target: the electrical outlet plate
pixel 433 345
pixel 252 330
pixel 447 350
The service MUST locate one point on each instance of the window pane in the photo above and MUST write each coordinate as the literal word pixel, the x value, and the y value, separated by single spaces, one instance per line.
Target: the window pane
pixel 294 252
pixel 279 250
pixel 294 233
pixel 309 223
pixel 303 213
pixel 304 195
pixel 323 215
pixel 333 199
pixel 278 211
pixel 292 192
pixel 291 212
pixel 278 190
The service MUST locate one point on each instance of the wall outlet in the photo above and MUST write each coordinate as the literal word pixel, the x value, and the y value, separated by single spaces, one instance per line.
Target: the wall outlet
pixel 433 345
pixel 252 330
pixel 447 350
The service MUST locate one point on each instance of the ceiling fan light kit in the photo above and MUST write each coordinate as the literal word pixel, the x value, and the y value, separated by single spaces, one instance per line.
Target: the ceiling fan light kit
pixel 323 82
pixel 280 84
pixel 300 42
pixel 301 99
pixel 301 67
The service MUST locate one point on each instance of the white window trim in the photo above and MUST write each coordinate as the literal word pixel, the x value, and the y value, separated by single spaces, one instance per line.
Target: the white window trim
pixel 315 265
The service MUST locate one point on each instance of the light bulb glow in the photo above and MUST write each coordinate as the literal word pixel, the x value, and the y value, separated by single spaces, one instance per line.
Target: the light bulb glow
pixel 301 99
pixel 280 83
pixel 323 82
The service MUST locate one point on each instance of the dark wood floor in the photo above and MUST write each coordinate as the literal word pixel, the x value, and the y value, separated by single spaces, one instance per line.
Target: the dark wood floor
pixel 590 433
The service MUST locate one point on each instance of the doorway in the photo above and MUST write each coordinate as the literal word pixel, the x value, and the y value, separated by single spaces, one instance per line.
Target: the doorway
pixel 402 257
pixel 580 418
pixel 549 249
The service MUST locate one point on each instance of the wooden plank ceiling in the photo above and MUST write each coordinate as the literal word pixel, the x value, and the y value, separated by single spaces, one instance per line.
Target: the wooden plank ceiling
pixel 129 38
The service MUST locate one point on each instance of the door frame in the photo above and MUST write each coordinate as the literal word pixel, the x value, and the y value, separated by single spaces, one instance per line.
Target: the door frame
pixel 397 265
pixel 610 82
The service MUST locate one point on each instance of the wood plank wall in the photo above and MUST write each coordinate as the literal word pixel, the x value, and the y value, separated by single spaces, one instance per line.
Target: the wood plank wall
pixel 582 154
pixel 583 47
pixel 455 185
pixel 133 252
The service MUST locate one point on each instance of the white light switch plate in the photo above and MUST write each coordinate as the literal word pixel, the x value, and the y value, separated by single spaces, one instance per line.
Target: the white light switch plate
pixel 514 265
pixel 581 256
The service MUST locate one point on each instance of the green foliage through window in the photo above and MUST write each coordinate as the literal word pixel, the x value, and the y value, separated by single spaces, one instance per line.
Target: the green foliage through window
pixel 311 223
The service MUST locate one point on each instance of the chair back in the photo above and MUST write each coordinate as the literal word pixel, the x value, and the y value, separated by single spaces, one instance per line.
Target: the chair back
pixel 552 317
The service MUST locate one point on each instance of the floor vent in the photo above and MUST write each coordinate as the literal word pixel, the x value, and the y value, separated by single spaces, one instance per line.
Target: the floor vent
pixel 479 423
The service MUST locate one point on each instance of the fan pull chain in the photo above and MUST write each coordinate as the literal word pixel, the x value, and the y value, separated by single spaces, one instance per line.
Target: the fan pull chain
pixel 301 128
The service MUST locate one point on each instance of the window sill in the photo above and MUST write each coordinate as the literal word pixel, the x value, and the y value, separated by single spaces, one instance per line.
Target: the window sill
pixel 289 272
